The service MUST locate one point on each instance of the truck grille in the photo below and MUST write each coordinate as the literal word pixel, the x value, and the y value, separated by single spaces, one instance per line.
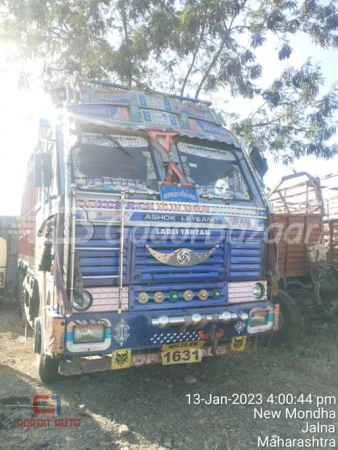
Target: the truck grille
pixel 246 256
pixel 99 258
pixel 237 258
pixel 149 275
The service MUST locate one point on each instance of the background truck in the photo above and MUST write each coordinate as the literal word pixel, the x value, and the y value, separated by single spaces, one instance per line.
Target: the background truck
pixel 142 235
pixel 306 221
pixel 3 267
pixel 8 255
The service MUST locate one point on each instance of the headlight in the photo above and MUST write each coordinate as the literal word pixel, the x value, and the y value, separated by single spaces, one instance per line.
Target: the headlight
pixel 258 291
pixel 88 334
pixel 82 302
pixel 258 318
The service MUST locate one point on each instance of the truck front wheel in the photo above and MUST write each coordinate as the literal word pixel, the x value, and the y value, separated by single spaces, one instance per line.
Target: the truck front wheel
pixel 289 320
pixel 48 368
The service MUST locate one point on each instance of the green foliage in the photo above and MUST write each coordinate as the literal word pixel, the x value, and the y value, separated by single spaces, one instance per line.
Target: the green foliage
pixel 294 120
pixel 188 48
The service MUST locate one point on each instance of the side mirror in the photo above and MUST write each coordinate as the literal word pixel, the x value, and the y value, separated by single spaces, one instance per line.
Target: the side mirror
pixel 43 169
pixel 259 161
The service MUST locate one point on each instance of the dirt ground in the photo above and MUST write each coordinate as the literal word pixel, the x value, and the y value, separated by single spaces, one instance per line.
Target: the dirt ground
pixel 148 408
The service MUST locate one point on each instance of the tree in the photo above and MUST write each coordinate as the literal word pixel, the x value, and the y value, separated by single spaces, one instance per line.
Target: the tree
pixel 293 119
pixel 195 46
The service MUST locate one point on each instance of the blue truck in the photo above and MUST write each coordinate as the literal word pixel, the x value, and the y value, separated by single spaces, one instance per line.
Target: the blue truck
pixel 143 235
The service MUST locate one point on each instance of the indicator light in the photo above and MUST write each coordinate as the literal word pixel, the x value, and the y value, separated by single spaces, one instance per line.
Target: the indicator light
pixel 173 296
pixel 216 293
pixel 188 295
pixel 159 297
pixel 143 297
pixel 203 294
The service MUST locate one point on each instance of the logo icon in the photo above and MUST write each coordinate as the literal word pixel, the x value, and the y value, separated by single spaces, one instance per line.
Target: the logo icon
pixel 43 398
pixel 183 257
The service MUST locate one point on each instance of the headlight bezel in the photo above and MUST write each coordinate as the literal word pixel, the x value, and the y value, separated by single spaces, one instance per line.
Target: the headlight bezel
pixel 255 326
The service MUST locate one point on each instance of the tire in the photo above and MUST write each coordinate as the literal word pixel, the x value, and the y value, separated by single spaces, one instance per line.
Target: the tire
pixel 18 288
pixel 48 368
pixel 289 321
pixel 22 310
pixel 37 335
pixel 34 305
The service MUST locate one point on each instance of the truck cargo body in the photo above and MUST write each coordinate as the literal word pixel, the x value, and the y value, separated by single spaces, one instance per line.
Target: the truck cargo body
pixel 306 229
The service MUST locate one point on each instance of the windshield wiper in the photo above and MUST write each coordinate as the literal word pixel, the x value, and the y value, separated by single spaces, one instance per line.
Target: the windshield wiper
pixel 215 197
pixel 127 190
pixel 118 145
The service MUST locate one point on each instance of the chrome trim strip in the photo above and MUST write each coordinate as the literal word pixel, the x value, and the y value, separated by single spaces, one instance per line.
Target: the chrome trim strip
pixel 98 248
pixel 121 252
pixel 72 264
pixel 199 319
pixel 101 276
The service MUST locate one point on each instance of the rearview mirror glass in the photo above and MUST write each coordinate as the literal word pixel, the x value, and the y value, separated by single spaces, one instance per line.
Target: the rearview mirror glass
pixel 259 161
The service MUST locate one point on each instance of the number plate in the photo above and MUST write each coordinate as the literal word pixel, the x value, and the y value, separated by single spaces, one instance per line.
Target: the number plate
pixel 181 353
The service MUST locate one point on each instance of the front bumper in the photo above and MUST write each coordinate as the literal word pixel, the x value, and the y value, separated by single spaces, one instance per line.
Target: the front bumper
pixel 134 339
pixel 147 331
pixel 82 365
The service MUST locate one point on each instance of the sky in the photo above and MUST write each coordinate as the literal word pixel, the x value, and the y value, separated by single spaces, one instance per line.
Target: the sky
pixel 19 113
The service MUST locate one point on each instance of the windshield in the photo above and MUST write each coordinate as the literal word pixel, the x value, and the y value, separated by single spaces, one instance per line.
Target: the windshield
pixel 111 162
pixel 216 171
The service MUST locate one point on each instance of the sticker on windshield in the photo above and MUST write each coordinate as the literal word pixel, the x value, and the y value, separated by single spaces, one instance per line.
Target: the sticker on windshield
pixel 107 183
pixel 205 152
pixel 107 140
pixel 178 194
